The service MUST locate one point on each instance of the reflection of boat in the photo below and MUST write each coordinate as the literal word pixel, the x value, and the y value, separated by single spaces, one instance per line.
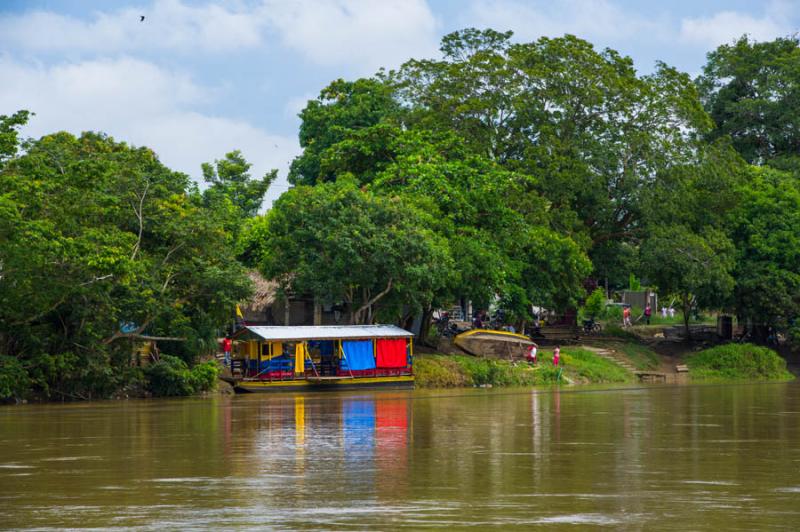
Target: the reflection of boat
pixel 500 344
pixel 326 357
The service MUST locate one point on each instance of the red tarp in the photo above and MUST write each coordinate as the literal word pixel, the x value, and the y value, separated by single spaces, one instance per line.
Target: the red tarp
pixel 391 353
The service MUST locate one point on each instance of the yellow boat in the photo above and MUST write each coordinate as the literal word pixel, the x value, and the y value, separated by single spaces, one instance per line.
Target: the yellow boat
pixel 324 357
pixel 491 343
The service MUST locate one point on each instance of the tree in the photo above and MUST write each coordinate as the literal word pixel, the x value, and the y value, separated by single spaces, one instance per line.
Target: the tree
pixel 342 244
pixel 592 132
pixel 694 266
pixel 101 245
pixel 752 91
pixel 766 233
pixel 497 225
pixel 9 134
pixel 229 179
pixel 343 108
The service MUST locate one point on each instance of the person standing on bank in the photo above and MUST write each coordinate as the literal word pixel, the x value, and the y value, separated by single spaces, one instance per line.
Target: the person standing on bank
pixel 226 348
pixel 556 355
pixel 531 356
pixel 648 311
pixel 626 317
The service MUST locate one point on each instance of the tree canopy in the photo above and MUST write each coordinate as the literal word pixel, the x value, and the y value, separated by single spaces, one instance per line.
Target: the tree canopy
pixel 101 244
pixel 752 91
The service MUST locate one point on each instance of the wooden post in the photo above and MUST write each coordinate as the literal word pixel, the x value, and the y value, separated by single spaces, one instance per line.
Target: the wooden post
pixel 317 312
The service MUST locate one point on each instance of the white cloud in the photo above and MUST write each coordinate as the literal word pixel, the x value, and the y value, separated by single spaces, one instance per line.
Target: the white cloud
pixel 139 103
pixel 362 34
pixel 726 26
pixel 365 34
pixel 588 19
pixel 168 24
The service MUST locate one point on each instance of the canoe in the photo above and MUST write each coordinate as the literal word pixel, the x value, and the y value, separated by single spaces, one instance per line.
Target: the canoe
pixel 497 344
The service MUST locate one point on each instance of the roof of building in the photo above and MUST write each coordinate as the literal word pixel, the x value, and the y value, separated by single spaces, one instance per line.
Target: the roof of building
pixel 324 332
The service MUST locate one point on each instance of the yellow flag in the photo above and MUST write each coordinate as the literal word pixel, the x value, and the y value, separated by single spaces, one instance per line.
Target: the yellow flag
pixel 239 312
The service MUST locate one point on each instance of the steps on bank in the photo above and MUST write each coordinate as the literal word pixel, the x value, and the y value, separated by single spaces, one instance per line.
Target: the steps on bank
pixel 612 356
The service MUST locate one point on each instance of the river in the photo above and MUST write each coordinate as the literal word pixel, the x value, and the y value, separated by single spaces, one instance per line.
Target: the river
pixel 687 457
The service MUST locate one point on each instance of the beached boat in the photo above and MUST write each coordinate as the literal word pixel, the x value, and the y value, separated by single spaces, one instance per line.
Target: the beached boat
pixel 499 344
pixel 323 357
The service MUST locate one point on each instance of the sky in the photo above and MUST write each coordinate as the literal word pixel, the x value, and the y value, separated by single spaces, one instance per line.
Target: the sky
pixel 197 79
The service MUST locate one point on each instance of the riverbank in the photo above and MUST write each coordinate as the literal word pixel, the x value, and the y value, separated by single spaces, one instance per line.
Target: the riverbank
pixel 578 366
pixel 616 362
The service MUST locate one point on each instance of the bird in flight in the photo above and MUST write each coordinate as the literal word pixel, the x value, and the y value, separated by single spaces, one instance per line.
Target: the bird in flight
pixel 141 18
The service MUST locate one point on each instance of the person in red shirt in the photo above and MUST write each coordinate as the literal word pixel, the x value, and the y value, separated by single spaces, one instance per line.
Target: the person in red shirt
pixel 556 355
pixel 531 356
pixel 226 348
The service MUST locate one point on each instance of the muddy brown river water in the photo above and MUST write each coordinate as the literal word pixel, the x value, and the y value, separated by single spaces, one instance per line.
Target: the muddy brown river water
pixel 679 457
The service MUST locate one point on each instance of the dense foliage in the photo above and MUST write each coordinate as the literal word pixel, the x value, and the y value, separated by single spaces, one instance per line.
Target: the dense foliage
pixel 534 157
pixel 171 376
pixel 752 91
pixel 100 246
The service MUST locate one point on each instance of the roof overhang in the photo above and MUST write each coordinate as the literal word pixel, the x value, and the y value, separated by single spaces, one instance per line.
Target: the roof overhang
pixel 276 333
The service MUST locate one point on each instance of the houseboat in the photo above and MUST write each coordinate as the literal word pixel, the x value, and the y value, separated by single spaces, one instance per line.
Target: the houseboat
pixel 321 357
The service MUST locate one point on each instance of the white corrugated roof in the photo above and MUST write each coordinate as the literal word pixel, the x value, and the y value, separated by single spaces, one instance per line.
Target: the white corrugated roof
pixel 327 332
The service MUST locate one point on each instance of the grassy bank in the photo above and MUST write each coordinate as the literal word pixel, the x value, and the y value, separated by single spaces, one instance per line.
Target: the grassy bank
pixel 642 357
pixel 453 371
pixel 737 362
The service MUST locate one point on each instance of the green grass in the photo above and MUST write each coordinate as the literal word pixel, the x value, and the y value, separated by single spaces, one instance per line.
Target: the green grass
pixel 737 362
pixel 452 371
pixel 586 366
pixel 642 357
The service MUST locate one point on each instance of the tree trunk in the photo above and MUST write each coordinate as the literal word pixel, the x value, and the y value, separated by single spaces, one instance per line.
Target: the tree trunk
pixel 425 325
pixel 686 303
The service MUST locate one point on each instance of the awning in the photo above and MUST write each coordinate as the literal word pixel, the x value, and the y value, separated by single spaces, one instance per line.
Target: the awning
pixel 274 333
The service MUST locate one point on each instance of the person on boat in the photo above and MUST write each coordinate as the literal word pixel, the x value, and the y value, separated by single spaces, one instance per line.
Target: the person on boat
pixel 226 348
pixel 478 322
pixel 556 355
pixel 531 355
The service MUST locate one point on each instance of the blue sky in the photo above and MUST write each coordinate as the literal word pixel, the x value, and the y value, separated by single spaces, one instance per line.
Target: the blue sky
pixel 197 79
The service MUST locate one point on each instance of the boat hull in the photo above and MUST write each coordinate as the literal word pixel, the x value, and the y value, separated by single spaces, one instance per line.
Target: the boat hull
pixel 490 343
pixel 361 383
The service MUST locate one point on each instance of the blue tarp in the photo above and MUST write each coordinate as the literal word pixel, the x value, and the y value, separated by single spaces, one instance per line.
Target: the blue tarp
pixel 279 363
pixel 358 355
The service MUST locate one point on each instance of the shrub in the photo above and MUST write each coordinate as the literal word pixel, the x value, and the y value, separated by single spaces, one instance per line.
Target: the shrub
pixel 448 371
pixel 438 371
pixel 204 376
pixel 737 362
pixel 595 304
pixel 170 376
pixel 14 380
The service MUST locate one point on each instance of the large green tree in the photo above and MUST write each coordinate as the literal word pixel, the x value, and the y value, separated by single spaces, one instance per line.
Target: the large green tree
pixel 752 91
pixel 342 244
pixel 592 131
pixel 766 232
pixel 100 245
pixel 694 266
